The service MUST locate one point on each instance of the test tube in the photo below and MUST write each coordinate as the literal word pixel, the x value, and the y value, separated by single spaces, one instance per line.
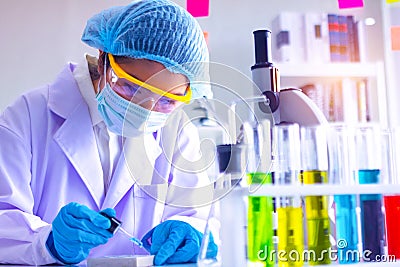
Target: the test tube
pixel 341 172
pixel 286 142
pixel 368 165
pixel 226 223
pixel 260 232
pixel 314 163
pixel 391 148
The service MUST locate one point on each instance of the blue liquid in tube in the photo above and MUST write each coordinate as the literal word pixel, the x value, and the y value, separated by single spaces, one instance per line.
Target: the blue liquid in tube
pixel 372 218
pixel 346 228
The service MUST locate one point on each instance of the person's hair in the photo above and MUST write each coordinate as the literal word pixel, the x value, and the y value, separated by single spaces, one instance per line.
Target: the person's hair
pixel 118 59
pixel 104 58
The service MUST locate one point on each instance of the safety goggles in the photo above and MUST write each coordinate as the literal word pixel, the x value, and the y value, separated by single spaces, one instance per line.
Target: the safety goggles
pixel 139 91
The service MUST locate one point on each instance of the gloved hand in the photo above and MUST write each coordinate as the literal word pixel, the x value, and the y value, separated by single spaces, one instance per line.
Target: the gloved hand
pixel 175 242
pixel 76 230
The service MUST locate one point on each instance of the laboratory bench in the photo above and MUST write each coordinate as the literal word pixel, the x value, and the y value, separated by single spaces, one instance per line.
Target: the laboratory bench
pixel 365 264
pixel 84 265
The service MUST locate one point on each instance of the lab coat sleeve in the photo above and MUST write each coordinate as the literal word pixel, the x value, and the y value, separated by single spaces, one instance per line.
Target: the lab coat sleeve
pixel 22 234
pixel 190 191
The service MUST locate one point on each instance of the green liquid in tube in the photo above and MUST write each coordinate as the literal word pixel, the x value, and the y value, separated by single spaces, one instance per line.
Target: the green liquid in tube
pixel 260 232
pixel 318 225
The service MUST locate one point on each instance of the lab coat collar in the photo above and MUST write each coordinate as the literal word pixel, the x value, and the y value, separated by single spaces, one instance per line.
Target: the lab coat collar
pixel 75 136
pixel 62 100
pixel 85 85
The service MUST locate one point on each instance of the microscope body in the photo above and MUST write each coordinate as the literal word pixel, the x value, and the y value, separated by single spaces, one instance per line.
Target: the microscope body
pixel 287 105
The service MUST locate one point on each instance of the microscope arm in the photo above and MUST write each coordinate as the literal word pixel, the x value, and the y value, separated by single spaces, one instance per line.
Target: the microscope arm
pixel 295 106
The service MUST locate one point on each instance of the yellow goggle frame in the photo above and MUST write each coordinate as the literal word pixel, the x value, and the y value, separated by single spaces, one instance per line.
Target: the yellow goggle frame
pixel 122 74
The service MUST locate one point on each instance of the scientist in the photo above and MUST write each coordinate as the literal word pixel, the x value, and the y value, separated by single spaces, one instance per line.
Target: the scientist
pixel 96 139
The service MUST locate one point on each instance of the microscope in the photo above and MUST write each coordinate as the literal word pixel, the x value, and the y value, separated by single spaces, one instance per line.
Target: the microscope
pixel 287 105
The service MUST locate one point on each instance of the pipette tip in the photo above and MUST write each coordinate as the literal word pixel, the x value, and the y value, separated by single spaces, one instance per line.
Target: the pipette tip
pixel 137 241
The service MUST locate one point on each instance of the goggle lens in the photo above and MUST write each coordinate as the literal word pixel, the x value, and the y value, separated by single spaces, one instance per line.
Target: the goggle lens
pixel 138 94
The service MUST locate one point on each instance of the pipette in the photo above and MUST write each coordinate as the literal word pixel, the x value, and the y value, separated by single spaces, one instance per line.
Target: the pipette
pixel 116 225
pixel 131 237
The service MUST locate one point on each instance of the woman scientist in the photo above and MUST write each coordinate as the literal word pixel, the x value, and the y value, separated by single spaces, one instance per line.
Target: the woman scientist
pixel 96 139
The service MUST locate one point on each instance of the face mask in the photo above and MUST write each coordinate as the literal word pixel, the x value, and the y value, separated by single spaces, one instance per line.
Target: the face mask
pixel 125 118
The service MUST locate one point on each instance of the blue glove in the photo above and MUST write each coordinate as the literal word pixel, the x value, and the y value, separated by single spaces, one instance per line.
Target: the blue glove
pixel 175 242
pixel 76 230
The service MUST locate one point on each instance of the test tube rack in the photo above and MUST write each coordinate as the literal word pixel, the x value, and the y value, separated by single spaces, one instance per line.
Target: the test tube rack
pixel 327 190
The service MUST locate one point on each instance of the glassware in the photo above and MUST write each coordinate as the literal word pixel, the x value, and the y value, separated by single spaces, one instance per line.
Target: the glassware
pixel 290 231
pixel 314 161
pixel 342 172
pixel 368 140
pixel 260 212
pixel 245 163
pixel 391 149
pixel 226 224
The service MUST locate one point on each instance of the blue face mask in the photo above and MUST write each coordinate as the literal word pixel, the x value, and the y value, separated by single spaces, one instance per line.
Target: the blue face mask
pixel 125 118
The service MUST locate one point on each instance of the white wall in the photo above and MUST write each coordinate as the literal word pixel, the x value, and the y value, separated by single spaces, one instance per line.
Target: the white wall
pixel 395 74
pixel 39 37
pixel 392 18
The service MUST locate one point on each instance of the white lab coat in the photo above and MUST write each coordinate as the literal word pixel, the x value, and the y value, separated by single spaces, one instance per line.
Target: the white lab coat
pixel 49 157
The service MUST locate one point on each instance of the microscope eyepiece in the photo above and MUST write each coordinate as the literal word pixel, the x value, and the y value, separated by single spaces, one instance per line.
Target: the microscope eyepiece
pixel 262 42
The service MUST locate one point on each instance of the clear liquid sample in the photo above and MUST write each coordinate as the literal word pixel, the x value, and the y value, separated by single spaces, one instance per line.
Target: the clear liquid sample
pixel 346 228
pixel 290 235
pixel 318 225
pixel 260 223
pixel 392 210
pixel 372 218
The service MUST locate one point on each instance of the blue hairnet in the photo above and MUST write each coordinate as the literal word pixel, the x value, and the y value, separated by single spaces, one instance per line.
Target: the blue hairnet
pixel 157 30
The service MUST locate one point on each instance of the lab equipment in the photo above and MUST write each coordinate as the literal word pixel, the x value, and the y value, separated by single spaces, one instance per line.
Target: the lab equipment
pixel 391 148
pixel 255 136
pixel 135 36
pixel 115 223
pixel 134 240
pixel 286 158
pixel 260 228
pixel 392 209
pixel 88 226
pixel 372 220
pixel 212 132
pixel 121 261
pixel 260 213
pixel 227 218
pixel 342 172
pixel 205 257
pixel 346 228
pixel 286 105
pixel 233 227
pixel 314 162
pixel 369 163
pixel 174 241
pixel 116 226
